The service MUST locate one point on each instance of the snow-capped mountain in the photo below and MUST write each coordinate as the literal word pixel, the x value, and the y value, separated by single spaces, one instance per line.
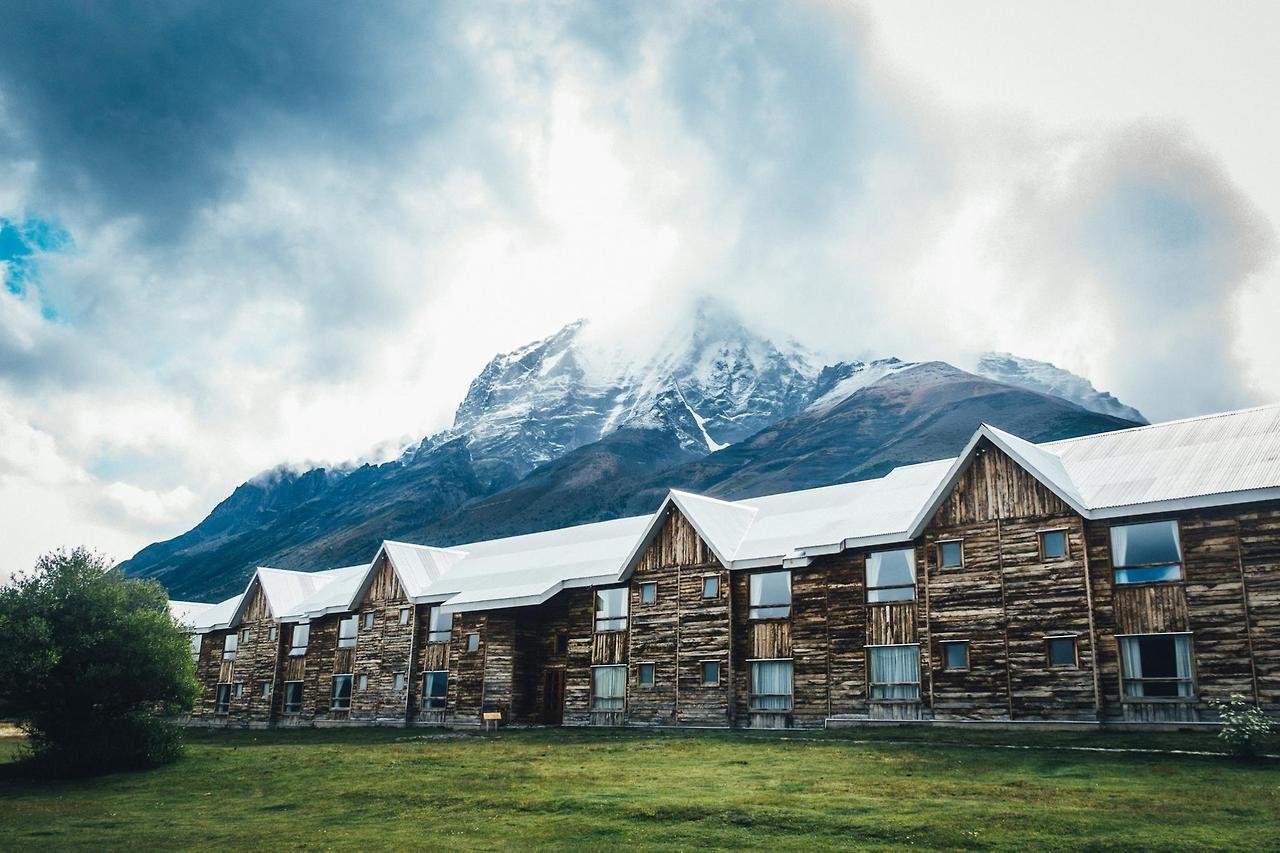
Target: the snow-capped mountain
pixel 1050 379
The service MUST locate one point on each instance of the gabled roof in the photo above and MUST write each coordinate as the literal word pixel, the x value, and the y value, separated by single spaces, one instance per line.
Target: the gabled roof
pixel 416 566
pixel 332 592
pixel 185 612
pixel 218 616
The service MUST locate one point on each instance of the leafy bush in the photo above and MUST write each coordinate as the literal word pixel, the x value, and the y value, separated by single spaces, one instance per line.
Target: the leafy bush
pixel 91 666
pixel 1246 728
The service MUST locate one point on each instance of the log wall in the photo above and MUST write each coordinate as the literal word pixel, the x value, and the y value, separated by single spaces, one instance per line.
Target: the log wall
pixel 383 651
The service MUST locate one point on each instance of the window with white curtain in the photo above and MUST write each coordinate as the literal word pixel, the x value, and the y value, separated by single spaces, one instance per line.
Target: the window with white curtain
pixel 611 609
pixel 771 685
pixel 608 687
pixel 1147 552
pixel 440 626
pixel 1156 666
pixel 347 633
pixel 891 575
pixel 300 638
pixel 222 704
pixel 341 693
pixel 895 672
pixel 770 595
pixel 435 689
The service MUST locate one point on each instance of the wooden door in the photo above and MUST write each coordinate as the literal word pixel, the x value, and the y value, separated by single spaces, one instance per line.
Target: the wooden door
pixel 553 697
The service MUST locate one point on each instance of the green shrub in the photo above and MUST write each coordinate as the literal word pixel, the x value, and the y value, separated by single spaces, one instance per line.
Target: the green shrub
pixel 1246 728
pixel 91 666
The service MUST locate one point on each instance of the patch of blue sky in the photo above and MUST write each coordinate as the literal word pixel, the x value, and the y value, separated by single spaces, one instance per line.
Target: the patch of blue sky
pixel 21 246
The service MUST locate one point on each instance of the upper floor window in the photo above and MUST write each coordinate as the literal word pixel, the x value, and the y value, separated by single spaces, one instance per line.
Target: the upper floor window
pixel 347 633
pixel 950 554
pixel 648 593
pixel 300 637
pixel 264 689
pixel 1053 545
pixel 611 609
pixel 368 619
pixel 1147 552
pixel 440 625
pixel 770 595
pixel 272 634
pixel 244 635
pixel 404 616
pixel 891 575
pixel 229 646
pixel 195 645
pixel 710 586
pixel 473 642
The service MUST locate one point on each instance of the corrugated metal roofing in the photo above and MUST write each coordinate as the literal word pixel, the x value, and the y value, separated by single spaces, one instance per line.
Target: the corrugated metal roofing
pixel 332 593
pixel 186 612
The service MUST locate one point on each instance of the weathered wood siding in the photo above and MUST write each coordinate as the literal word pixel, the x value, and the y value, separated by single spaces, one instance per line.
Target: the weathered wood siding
pixel 1259 545
pixel 466 673
pixel 847 631
pixel 383 650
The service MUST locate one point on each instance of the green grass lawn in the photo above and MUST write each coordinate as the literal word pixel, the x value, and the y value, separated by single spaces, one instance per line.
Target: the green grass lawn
pixel 353 789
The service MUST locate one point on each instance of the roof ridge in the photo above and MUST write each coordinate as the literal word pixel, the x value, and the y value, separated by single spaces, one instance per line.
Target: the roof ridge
pixel 1207 417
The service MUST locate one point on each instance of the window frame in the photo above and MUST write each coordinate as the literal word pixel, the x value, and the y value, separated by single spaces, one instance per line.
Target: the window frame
pixel 649 586
pixel 653 675
pixel 942 648
pixel 264 689
pixel 872 683
pixel 1116 568
pixel 714 578
pixel 295 650
pixel 222 699
pixel 754 613
pixel 362 682
pixel 1192 679
pixel 868 589
pixel 237 690
pixel 405 615
pixel 289 709
pixel 436 634
pixel 561 643
pixel 1075 651
pixel 398 681
pixel 752 695
pixel 1066 544
pixel 348 642
pixel 272 634
pixel 942 564
pixel 366 620
pixel 622 699
pixel 610 622
pixel 428 699
pixel 702 673
pixel 333 691
pixel 244 635
pixel 232 637
pixel 473 641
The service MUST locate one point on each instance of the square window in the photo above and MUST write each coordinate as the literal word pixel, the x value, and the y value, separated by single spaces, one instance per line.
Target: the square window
pixel 368 619
pixel 473 642
pixel 955 655
pixel 649 593
pixel 710 673
pixel 1146 553
pixel 645 675
pixel 1053 545
pixel 891 575
pixel 398 681
pixel 711 586
pixel 950 554
pixel 1062 652
pixel 363 682
pixel 770 595
pixel 404 616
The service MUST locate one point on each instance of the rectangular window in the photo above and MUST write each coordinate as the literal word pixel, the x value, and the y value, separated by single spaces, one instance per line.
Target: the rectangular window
pixel 1053 545
pixel 362 683
pixel 1156 666
pixel 223 703
pixel 895 672
pixel 891 575
pixel 435 690
pixel 473 642
pixel 298 639
pixel 608 687
pixel 562 643
pixel 770 595
pixel 950 554
pixel 244 635
pixel 398 681
pixel 347 633
pixel 611 609
pixel 238 690
pixel 195 645
pixel 644 675
pixel 711 586
pixel 1148 552
pixel 771 685
pixel 293 697
pixel 272 634
pixel 229 646
pixel 404 616
pixel 1061 652
pixel 264 689
pixel 710 673
pixel 649 593
pixel 341 693
pixel 439 626
pixel 368 619
pixel 955 655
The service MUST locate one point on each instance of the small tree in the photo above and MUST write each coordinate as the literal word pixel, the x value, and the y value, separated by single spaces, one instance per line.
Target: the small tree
pixel 1246 728
pixel 91 664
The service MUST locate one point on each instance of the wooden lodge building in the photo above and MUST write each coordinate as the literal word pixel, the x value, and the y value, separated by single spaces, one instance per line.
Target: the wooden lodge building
pixel 1126 578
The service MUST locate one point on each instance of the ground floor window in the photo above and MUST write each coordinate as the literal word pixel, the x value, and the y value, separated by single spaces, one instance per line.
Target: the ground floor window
pixel 710 673
pixel 644 675
pixel 1156 666
pixel 955 655
pixel 895 672
pixel 223 702
pixel 1061 652
pixel 341 693
pixel 771 685
pixel 435 690
pixel 293 697
pixel 608 688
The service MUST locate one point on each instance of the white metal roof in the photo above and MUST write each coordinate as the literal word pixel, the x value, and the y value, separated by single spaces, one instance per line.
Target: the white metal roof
pixel 332 593
pixel 417 567
pixel 218 616
pixel 185 612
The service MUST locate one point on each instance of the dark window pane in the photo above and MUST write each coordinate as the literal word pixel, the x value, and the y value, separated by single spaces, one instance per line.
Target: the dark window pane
pixel 1053 544
pixel 1062 651
pixel 955 655
pixel 710 672
pixel 646 674
pixel 1145 544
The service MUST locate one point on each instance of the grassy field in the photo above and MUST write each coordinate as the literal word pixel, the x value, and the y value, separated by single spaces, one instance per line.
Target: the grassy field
pixel 352 789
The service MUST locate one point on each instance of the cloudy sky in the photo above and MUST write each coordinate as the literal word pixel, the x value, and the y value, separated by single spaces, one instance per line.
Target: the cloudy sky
pixel 233 237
